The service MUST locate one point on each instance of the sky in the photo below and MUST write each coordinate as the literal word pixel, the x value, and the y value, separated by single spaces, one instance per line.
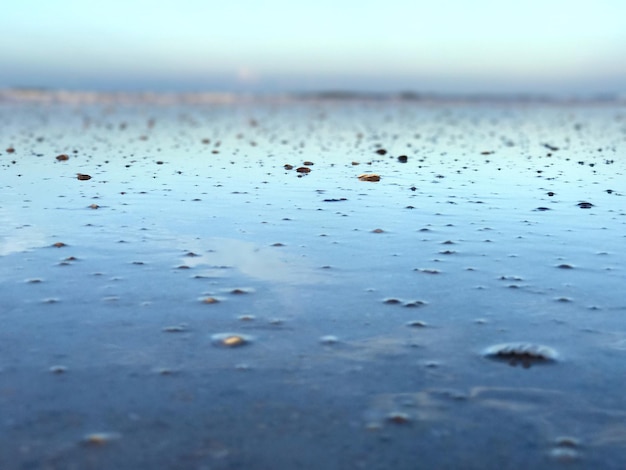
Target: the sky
pixel 435 46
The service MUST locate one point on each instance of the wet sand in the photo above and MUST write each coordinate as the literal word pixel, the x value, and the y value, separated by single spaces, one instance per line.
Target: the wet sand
pixel 196 303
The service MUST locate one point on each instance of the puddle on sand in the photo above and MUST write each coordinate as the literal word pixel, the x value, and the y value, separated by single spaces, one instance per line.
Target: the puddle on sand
pixel 370 303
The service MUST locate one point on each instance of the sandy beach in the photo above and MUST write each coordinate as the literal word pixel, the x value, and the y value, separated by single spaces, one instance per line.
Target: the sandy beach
pixel 206 283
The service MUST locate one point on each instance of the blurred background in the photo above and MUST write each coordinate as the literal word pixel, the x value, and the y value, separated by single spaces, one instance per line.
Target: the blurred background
pixel 563 47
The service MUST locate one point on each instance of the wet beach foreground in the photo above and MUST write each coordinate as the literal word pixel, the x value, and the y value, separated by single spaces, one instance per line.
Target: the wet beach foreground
pixel 225 282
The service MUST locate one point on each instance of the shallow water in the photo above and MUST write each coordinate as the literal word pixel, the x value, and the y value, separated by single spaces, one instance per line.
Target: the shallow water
pixel 366 306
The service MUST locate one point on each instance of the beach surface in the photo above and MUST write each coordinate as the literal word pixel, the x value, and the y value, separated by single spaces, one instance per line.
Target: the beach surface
pixel 210 284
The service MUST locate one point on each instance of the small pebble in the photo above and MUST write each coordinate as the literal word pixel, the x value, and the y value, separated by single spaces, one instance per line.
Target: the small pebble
pixel 398 417
pixel 58 369
pixel 175 329
pixel 100 438
pixel 369 177
pixel 238 291
pixel 329 339
pixel 525 354
pixel 230 340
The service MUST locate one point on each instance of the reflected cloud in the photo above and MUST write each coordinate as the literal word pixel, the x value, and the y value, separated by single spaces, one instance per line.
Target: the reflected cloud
pixel 23 237
pixel 269 264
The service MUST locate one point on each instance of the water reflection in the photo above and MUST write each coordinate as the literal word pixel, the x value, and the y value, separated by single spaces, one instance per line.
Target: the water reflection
pixel 269 264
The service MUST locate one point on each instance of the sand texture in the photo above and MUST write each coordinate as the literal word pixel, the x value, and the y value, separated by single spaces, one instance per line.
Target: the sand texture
pixel 312 284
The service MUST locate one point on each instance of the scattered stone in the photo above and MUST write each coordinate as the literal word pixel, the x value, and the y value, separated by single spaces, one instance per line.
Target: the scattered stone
pixel 585 205
pixel 329 339
pixel 428 271
pixel 416 324
pixel 287 166
pixel 62 158
pixel 59 245
pixel 525 354
pixel 392 301
pixel 175 329
pixel 58 369
pixel 567 441
pixel 552 148
pixel 369 177
pixel 230 340
pixel 303 169
pixel 308 163
pixel 100 438
pixel 210 300
pixel 381 152
pixel 398 417
pixel 566 449
pixel 83 177
pixel 238 291
pixel 378 230
pixel 403 158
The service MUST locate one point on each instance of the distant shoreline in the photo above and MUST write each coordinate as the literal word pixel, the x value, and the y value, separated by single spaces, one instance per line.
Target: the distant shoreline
pixel 41 95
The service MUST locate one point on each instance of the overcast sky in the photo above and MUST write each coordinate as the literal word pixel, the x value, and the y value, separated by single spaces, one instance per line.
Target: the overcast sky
pixel 566 46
